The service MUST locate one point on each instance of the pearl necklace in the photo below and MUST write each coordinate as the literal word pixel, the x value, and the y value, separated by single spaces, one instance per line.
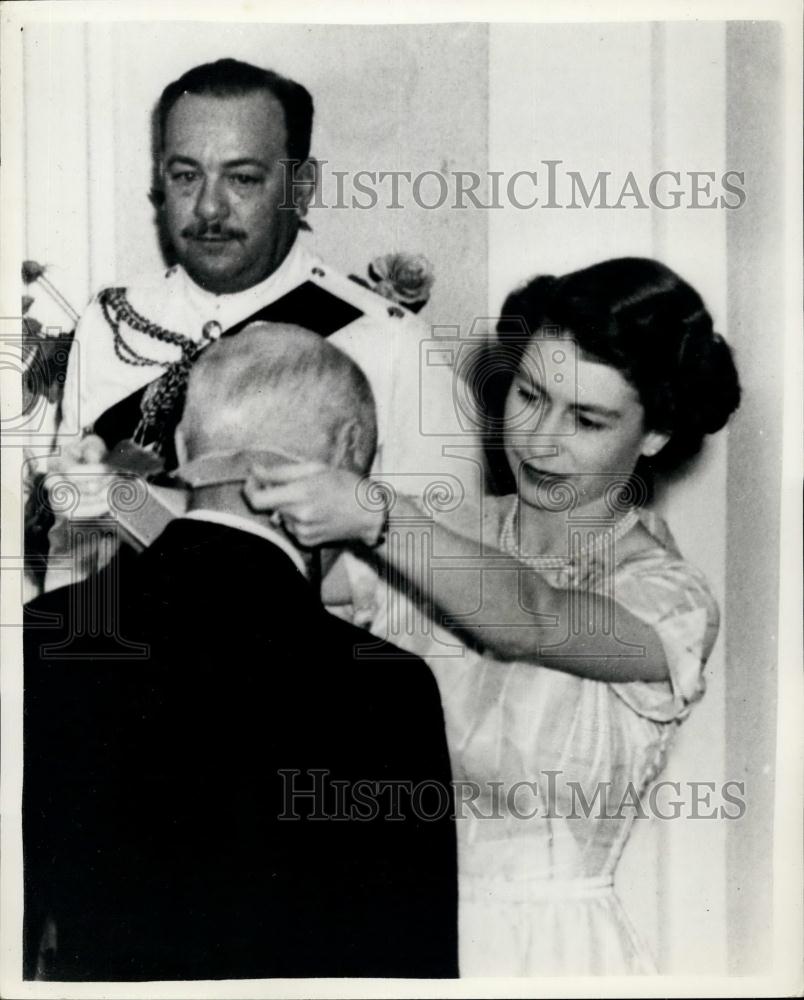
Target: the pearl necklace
pixel 509 544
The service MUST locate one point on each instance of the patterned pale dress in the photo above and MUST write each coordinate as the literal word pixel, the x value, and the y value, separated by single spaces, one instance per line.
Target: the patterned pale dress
pixel 536 868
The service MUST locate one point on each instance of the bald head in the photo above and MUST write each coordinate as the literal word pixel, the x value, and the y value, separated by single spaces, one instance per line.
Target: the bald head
pixel 277 385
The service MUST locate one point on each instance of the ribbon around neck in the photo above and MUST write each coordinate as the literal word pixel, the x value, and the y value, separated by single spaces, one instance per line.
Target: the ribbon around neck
pixel 219 467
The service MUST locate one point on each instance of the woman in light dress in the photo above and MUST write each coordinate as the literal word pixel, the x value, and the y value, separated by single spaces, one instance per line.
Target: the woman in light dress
pixel 584 645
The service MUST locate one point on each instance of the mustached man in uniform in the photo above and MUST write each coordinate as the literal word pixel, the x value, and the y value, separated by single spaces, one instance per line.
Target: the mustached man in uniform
pixel 235 182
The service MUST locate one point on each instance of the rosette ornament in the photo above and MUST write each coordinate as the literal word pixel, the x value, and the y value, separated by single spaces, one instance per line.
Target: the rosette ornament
pixel 403 278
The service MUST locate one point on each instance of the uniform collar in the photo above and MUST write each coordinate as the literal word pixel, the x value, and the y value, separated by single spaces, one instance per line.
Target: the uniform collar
pixel 245 524
pixel 229 308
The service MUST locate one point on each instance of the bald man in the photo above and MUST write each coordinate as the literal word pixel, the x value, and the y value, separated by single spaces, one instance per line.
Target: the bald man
pixel 191 806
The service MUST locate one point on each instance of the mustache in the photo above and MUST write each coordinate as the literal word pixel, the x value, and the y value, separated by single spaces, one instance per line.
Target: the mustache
pixel 222 232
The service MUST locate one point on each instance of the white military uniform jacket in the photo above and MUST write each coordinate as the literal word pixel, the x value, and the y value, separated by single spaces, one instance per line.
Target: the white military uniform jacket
pixel 383 339
pixel 386 341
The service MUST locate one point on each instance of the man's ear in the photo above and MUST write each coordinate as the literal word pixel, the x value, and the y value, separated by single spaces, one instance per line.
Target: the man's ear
pixel 157 193
pixel 305 179
pixel 653 442
pixel 347 445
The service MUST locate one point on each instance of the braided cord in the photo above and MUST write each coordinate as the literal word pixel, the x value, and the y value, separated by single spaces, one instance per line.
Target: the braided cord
pixel 116 310
pixel 163 400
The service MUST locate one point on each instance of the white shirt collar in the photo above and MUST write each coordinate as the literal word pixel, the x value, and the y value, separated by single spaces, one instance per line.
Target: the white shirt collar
pixel 245 524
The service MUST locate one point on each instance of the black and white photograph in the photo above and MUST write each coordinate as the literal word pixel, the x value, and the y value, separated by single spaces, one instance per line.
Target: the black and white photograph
pixel 401 447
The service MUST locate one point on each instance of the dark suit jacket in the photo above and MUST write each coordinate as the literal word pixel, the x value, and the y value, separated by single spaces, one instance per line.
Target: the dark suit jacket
pixel 164 738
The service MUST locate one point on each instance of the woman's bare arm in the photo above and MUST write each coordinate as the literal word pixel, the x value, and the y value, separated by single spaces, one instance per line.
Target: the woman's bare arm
pixel 513 612
pixel 492 598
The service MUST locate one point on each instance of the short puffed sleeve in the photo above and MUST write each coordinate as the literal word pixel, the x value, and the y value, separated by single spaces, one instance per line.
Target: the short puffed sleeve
pixel 667 593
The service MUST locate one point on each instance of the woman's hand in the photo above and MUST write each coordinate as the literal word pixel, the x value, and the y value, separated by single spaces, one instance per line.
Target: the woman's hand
pixel 318 505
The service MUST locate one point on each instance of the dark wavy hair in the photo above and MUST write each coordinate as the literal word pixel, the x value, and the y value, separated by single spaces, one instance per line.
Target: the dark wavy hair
pixel 641 318
pixel 232 78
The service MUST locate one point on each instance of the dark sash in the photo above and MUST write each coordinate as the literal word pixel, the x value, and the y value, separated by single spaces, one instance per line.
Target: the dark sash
pixel 308 305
